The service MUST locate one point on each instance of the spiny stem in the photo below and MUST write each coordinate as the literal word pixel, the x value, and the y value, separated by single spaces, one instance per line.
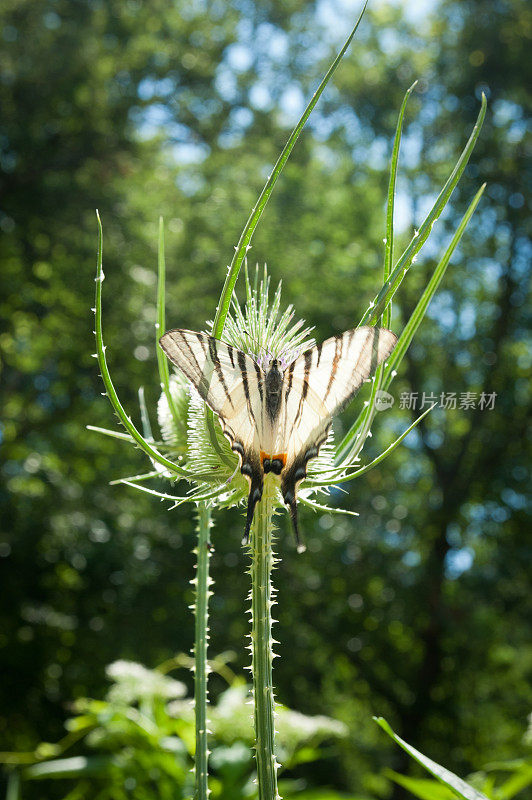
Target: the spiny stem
pixel 261 639
pixel 201 669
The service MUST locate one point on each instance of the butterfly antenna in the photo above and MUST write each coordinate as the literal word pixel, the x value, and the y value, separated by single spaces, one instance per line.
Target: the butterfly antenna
pixel 257 344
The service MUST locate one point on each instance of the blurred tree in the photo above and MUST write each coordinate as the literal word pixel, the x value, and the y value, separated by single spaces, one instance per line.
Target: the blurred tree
pixel 477 459
pixel 418 609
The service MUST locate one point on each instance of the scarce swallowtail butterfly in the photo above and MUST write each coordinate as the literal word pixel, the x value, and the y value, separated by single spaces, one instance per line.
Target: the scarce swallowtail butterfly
pixel 277 418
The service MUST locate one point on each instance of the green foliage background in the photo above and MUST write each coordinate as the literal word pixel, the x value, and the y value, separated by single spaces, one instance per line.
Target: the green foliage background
pixel 418 610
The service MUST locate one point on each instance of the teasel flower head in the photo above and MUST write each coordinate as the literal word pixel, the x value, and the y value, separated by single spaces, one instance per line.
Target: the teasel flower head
pixel 265 332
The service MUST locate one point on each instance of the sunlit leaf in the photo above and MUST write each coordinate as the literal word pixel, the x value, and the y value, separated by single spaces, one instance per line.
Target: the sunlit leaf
pixel 459 787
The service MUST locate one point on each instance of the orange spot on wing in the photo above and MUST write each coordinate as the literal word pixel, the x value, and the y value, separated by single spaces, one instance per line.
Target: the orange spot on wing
pixel 277 457
pixel 280 457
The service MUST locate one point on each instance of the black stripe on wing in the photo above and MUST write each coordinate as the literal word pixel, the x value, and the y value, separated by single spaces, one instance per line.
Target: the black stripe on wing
pixel 245 382
pixel 290 379
pixel 213 352
pixel 200 364
pixel 308 361
pixel 195 373
pixel 259 375
pixel 338 346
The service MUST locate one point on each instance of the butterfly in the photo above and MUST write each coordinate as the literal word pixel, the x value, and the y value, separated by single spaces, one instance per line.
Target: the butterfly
pixel 277 418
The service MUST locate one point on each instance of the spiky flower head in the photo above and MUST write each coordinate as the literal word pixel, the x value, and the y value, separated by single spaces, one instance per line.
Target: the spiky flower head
pixel 263 331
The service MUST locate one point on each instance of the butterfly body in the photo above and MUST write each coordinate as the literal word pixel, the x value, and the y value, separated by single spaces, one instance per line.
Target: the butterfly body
pixel 276 419
pixel 273 386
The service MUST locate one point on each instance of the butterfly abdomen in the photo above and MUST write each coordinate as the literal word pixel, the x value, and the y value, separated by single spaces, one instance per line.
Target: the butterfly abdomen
pixel 274 387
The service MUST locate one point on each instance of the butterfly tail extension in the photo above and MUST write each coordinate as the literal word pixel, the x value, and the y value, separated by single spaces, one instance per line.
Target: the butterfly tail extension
pixel 289 483
pixel 253 472
pixel 292 507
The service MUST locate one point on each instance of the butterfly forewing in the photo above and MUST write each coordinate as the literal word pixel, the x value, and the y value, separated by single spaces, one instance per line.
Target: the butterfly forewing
pixel 322 381
pixel 336 369
pixel 230 382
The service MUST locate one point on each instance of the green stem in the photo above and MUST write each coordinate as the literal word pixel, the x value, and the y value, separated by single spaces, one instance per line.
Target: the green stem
pixel 261 639
pixel 201 670
pixel 13 786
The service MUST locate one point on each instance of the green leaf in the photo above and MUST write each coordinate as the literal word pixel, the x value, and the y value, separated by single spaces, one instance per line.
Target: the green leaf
pixel 459 787
pixel 142 477
pixel 388 244
pixel 348 453
pixel 77 766
pixel 350 446
pixel 161 495
pixel 328 509
pixel 389 288
pixel 106 376
pixel 357 473
pixel 346 450
pixel 114 434
pixel 341 476
pixel 421 308
pixel 521 778
pixel 160 327
pixel 423 788
pixel 249 228
pixel 194 496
